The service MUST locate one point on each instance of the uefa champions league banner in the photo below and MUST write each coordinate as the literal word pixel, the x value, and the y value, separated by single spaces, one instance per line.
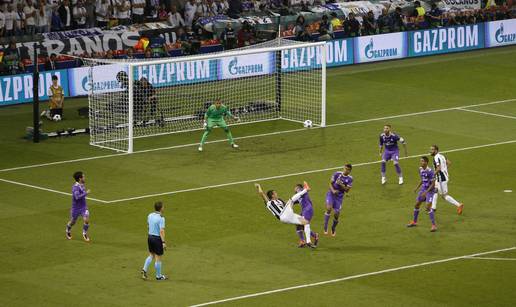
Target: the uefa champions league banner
pixel 446 40
pixel 380 47
pixel 19 88
pixel 500 33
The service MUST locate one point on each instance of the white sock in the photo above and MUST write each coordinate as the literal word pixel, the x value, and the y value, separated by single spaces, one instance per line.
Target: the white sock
pixel 307 233
pixel 451 200
pixel 297 196
pixel 434 202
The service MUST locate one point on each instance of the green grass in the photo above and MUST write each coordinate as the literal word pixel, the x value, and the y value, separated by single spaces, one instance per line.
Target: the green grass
pixel 223 241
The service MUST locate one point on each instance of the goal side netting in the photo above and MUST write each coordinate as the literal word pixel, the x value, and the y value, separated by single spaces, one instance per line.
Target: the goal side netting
pixel 132 99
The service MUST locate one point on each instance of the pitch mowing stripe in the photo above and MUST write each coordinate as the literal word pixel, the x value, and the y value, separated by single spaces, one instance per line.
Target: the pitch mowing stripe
pixel 488 113
pixel 259 135
pixel 353 277
pixel 294 174
pixel 48 190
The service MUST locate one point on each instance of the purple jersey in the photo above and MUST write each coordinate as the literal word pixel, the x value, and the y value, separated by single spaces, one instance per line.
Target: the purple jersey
pixel 339 179
pixel 426 175
pixel 390 141
pixel 79 198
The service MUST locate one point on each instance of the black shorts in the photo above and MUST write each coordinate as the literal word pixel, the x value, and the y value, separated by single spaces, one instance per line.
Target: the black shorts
pixel 56 112
pixel 155 245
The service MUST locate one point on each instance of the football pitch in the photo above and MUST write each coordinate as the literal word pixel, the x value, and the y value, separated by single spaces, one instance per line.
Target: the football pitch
pixel 225 248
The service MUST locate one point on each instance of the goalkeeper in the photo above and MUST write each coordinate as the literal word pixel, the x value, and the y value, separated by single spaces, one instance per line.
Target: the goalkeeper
pixel 214 116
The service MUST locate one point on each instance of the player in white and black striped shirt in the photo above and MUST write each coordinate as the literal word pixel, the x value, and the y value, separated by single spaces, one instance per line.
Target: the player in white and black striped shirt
pixel 441 179
pixel 281 210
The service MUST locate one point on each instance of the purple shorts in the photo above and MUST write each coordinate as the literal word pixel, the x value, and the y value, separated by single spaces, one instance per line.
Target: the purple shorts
pixel 393 155
pixel 335 201
pixel 428 197
pixel 308 213
pixel 85 213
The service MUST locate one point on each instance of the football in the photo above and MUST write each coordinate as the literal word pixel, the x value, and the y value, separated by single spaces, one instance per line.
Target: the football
pixel 307 124
pixel 56 118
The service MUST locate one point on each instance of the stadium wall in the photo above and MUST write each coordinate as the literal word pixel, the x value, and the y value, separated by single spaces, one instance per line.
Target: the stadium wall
pixel 17 89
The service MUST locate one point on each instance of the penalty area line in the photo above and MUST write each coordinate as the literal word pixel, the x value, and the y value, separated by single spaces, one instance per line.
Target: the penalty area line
pixel 332 281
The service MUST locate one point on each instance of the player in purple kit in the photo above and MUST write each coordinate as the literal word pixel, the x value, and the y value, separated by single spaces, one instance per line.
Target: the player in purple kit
pixel 79 207
pixel 307 212
pixel 340 183
pixel 390 140
pixel 426 193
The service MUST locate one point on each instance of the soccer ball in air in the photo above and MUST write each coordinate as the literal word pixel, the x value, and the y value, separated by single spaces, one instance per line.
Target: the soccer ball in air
pixel 307 124
pixel 56 118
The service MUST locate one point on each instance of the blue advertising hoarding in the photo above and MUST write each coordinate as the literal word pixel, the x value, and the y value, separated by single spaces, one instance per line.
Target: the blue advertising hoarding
pixel 445 40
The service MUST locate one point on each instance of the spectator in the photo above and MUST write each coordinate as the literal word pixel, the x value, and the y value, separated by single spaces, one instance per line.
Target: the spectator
pixel 138 11
pixel 352 26
pixel 229 37
pixel 325 29
pixel 397 20
pixel 2 22
pixel 148 53
pixel 42 17
pixel 51 64
pixel 10 17
pixel 235 9
pixel 202 9
pixel 162 13
pixel 130 53
pixel 90 13
pixel 65 14
pixel 212 10
pixel 220 7
pixel 80 14
pixel 30 18
pixel 19 21
pixel 370 24
pixel 419 11
pixel 174 18
pixel 451 20
pixel 246 35
pixel 335 21
pixel 299 28
pixel 151 10
pixel 103 12
pixel 123 11
pixel 109 54
pixel 55 21
pixel 470 18
pixel 384 22
pixel 434 16
pixel 190 10
pixel 306 35
pixel 12 58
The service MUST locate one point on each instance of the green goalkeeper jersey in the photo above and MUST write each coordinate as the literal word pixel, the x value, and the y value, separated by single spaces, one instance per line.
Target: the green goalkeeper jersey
pixel 217 114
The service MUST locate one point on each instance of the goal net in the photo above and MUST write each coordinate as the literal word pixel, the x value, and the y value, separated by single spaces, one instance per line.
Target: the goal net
pixel 132 99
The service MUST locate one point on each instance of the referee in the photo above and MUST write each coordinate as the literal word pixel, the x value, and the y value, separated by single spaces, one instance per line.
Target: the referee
pixel 156 241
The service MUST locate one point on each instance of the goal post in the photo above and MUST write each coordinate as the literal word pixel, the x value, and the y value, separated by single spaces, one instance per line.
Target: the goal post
pixel 276 80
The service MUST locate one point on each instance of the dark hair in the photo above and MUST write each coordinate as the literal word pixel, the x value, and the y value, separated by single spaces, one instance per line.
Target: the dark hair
pixel 54 77
pixel 158 205
pixel 436 147
pixel 425 159
pixel 299 185
pixel 77 175
pixel 349 166
pixel 324 17
pixel 269 193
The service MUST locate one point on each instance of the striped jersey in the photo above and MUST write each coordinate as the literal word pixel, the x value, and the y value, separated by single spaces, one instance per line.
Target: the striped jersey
pixel 440 160
pixel 275 206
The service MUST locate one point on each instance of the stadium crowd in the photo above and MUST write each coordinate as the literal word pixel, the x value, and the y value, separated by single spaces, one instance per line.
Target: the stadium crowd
pixel 29 17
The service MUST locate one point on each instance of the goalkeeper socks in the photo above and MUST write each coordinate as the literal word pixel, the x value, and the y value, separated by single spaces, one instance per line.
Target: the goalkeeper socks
pixel 230 137
pixel 147 263
pixel 157 266
pixel 204 137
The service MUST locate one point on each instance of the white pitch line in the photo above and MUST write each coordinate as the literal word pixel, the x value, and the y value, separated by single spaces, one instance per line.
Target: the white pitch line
pixel 294 174
pixel 351 277
pixel 257 135
pixel 491 258
pixel 487 113
pixel 48 190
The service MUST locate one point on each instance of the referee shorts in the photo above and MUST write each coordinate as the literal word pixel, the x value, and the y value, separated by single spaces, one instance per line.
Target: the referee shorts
pixel 155 245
